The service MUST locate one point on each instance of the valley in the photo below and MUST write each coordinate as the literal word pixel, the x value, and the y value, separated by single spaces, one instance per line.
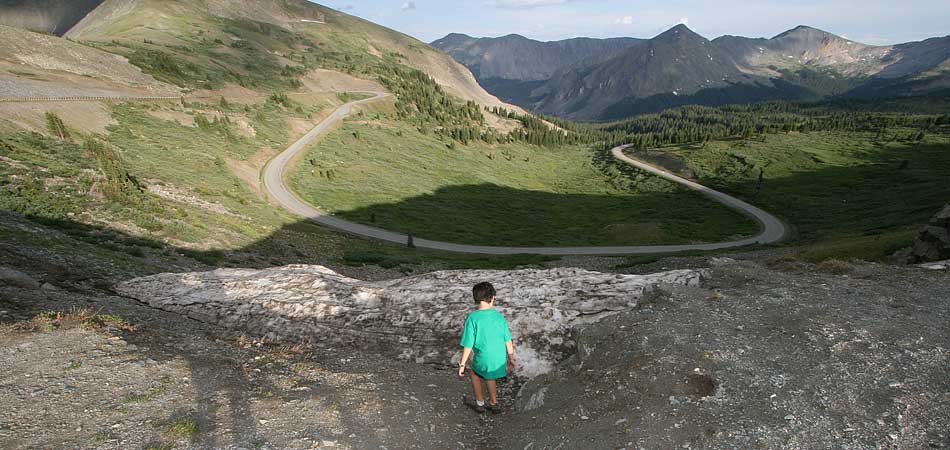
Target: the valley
pixel 228 224
pixel 501 195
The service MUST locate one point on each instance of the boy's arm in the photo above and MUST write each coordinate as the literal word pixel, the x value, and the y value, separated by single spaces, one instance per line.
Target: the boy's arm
pixel 467 342
pixel 510 347
pixel 466 351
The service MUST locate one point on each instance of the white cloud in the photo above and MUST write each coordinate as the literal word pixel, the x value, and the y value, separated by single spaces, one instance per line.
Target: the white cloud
pixel 406 6
pixel 625 20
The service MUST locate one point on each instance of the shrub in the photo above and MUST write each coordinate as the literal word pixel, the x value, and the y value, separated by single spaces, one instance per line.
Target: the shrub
pixel 56 125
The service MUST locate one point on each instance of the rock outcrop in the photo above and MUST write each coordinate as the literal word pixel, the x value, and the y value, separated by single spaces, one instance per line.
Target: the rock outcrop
pixel 15 278
pixel 416 318
pixel 933 243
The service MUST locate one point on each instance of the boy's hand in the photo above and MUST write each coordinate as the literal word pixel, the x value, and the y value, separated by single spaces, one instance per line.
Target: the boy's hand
pixel 461 371
pixel 511 362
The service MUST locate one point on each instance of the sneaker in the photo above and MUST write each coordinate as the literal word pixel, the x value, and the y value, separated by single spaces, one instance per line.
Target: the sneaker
pixel 494 409
pixel 471 403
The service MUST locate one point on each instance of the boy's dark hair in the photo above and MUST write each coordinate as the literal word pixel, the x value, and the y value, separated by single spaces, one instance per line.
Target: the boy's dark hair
pixel 483 292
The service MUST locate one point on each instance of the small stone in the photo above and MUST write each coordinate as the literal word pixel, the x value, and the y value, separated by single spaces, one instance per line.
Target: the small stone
pixel 584 418
pixel 262 422
pixel 328 443
pixel 620 421
pixel 789 417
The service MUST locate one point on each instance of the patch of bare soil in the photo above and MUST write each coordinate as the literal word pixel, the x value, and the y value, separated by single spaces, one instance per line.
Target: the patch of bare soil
pixel 297 128
pixel 233 92
pixel 249 171
pixel 44 61
pixel 501 124
pixel 89 117
pixel 180 195
pixel 322 80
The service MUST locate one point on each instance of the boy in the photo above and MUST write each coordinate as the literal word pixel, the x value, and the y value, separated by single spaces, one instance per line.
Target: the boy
pixel 486 332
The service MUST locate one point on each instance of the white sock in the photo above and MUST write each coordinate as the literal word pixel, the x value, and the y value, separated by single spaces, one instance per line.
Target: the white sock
pixel 480 402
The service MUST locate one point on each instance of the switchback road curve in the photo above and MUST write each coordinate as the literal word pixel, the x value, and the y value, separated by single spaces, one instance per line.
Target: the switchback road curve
pixel 772 229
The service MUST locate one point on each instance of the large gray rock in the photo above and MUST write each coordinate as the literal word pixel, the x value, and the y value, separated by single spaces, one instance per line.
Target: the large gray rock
pixel 15 278
pixel 933 243
pixel 417 318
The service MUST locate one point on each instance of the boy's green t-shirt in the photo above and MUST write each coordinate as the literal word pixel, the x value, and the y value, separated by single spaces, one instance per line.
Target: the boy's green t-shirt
pixel 486 332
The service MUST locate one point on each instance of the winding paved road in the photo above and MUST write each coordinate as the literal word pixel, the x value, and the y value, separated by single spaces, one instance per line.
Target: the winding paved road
pixel 773 230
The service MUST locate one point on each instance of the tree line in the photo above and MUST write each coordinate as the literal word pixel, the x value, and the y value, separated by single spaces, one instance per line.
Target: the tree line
pixel 688 124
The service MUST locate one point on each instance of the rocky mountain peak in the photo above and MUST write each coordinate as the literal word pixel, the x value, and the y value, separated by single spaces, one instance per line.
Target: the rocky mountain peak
pixel 806 33
pixel 680 33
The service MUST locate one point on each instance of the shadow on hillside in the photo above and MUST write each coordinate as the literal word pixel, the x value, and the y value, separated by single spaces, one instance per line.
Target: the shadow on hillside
pixel 893 189
pixel 489 214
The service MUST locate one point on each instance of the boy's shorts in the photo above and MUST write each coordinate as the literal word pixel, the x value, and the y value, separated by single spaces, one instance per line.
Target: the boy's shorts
pixel 486 378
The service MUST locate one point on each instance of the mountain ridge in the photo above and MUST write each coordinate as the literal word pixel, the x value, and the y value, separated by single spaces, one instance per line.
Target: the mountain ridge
pixel 240 39
pixel 515 57
pixel 803 63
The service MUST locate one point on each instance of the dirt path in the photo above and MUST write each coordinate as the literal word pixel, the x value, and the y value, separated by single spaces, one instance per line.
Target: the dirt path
pixel 772 228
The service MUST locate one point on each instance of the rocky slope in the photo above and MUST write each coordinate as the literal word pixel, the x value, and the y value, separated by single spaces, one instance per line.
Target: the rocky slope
pixel 770 354
pixel 510 67
pixel 933 242
pixel 676 63
pixel 329 29
pixel 738 70
pixel 46 16
pixel 413 319
pixel 33 64
pixel 805 46
pixel 518 58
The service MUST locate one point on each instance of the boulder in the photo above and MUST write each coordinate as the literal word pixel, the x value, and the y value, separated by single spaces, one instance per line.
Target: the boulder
pixel 933 243
pixel 417 318
pixel 15 278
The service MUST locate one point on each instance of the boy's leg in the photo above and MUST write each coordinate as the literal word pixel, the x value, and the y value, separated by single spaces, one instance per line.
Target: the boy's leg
pixel 492 392
pixel 477 387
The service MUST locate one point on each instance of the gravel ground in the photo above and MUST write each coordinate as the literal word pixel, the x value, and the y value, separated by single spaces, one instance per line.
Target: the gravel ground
pixel 758 358
pixel 787 357
pixel 80 388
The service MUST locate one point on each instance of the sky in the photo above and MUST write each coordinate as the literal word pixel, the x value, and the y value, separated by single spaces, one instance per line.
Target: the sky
pixel 877 22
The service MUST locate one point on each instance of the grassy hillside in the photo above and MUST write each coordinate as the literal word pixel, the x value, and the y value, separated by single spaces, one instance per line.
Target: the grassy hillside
pixel 264 46
pixel 385 173
pixel 174 186
pixel 845 193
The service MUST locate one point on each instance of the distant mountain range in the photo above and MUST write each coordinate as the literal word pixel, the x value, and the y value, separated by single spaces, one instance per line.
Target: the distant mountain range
pixel 590 79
